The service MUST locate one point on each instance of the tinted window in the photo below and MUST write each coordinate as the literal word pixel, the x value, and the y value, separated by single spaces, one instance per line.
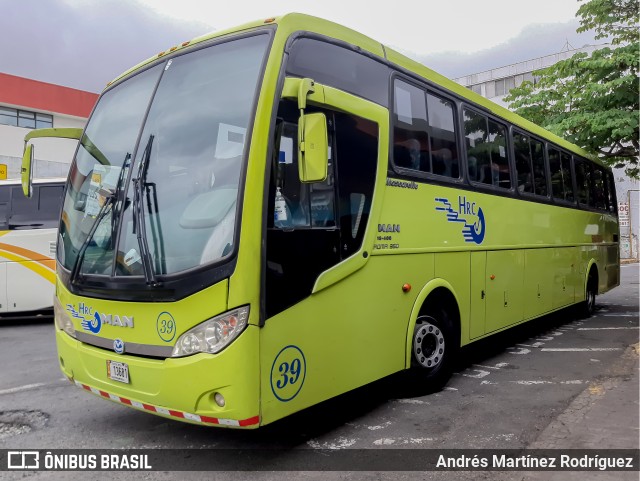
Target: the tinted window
pixel 23 213
pixel 557 186
pixel 522 153
pixel 443 146
pixel 476 138
pixel 539 170
pixel 611 192
pixel 583 182
pixel 341 68
pixel 599 188
pixel 486 142
pixel 50 202
pixel 411 141
pixel 5 197
pixel 40 211
pixel 424 133
pixel 567 176
pixel 561 178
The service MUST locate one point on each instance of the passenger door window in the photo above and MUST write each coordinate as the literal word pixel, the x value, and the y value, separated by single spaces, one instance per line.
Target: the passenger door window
pixel 324 221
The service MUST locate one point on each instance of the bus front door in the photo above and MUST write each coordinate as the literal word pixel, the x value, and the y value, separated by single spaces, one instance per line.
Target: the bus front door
pixel 321 335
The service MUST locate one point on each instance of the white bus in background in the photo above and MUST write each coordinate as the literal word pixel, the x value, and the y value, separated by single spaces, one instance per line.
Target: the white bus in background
pixel 28 233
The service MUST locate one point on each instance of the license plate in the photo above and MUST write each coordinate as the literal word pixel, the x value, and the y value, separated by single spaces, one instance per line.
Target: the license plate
pixel 118 371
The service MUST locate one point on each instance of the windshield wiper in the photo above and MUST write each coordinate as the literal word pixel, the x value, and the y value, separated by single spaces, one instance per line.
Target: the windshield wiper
pixel 138 214
pixel 109 196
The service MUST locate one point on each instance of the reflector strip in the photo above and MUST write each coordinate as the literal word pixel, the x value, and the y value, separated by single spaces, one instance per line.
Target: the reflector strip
pixel 206 420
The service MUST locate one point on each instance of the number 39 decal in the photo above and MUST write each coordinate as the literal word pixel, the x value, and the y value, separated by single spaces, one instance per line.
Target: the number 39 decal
pixel 288 373
pixel 166 326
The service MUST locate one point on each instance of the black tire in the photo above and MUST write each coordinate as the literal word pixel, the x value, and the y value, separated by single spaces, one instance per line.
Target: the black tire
pixel 434 346
pixel 588 307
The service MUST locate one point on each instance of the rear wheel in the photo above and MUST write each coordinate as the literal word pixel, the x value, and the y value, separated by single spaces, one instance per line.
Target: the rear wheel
pixel 434 347
pixel 588 307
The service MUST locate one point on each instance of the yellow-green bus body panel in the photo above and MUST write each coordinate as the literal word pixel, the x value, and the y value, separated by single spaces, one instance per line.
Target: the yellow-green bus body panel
pixel 185 384
pixel 534 257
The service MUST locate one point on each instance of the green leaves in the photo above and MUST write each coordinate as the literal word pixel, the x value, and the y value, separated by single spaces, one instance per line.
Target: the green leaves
pixel 593 100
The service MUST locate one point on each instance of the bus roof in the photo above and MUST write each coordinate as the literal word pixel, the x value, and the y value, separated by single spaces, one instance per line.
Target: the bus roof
pixel 52 180
pixel 302 22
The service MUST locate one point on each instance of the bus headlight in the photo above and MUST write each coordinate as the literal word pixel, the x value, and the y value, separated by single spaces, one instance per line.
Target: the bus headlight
pixel 62 319
pixel 213 335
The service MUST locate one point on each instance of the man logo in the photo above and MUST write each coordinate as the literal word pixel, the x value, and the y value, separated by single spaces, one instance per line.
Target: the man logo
pixel 118 346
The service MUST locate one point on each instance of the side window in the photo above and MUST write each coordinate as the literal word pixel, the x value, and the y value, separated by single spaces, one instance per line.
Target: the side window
pixel 486 143
pixel 521 149
pixel 50 204
pixel 611 191
pixel 443 145
pixel 424 132
pixel 340 67
pixel 499 162
pixel 476 138
pixel 583 182
pixel 557 185
pixel 567 176
pixel 411 141
pixel 539 169
pixel 356 143
pixel 561 175
pixel 5 198
pixel 23 212
pixel 300 205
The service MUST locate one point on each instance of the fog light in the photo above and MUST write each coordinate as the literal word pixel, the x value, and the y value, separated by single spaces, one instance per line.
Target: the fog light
pixel 219 398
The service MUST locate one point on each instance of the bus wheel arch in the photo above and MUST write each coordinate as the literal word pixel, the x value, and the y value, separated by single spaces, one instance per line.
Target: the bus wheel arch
pixel 433 337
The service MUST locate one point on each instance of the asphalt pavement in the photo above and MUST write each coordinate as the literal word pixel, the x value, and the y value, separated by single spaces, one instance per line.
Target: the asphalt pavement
pixel 557 383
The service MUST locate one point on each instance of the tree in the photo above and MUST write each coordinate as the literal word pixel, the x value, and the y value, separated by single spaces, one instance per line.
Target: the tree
pixel 592 100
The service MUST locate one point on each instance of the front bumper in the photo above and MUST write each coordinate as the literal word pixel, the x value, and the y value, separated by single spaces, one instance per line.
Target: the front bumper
pixel 177 388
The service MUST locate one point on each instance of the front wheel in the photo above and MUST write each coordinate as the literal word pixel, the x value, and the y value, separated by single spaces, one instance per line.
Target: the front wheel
pixel 434 348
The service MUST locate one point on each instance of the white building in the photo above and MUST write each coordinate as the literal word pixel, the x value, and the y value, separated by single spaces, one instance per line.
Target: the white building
pixel 494 84
pixel 26 104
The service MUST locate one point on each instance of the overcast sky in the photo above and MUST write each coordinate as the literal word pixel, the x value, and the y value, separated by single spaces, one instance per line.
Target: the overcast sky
pixel 86 43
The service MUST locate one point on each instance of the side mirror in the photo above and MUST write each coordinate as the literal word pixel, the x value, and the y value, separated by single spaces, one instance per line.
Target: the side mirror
pixel 25 172
pixel 313 148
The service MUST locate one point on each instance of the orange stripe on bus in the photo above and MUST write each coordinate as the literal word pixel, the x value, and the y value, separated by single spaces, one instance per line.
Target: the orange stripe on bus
pixel 30 255
pixel 35 266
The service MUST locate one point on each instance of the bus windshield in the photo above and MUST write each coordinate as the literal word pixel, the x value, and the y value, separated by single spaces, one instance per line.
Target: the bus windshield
pixel 165 147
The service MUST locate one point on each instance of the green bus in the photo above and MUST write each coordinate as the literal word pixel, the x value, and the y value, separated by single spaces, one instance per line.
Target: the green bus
pixel 266 217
